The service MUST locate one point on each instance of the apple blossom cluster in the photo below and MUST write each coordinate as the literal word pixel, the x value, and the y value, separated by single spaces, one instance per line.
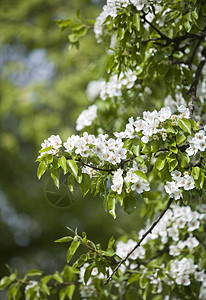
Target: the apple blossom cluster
pixel 176 102
pixel 198 142
pixel 184 270
pixel 176 219
pixel 54 142
pixel 113 88
pixel 181 270
pixel 173 187
pixel 123 248
pixel 171 226
pixel 112 150
pixel 88 290
pixel 86 117
pixel 138 184
pixel 107 150
pixel 150 125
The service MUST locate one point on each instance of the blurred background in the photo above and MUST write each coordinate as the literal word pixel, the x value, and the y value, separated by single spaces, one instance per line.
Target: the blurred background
pixel 42 92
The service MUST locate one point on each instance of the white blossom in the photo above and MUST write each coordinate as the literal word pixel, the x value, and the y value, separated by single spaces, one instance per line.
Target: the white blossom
pixel 86 117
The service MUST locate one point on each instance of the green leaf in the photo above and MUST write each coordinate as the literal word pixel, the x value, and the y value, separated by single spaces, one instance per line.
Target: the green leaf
pixel 70 291
pixel 140 174
pixel 180 139
pixel 136 21
pixel 109 252
pixel 71 182
pixel 201 178
pixel 172 165
pixel 129 204
pixel 45 288
pixel 195 172
pixel 55 176
pixel 46 149
pixel 73 167
pixel 85 183
pixel 184 160
pixel 173 148
pixel 62 294
pixel 65 239
pixel 63 163
pixel 133 278
pixel 87 273
pixel 63 24
pixel 143 281
pixel 5 281
pixel 58 277
pixel 160 162
pixel 81 32
pixel 121 32
pixel 111 242
pixel 73 38
pixel 42 169
pixel 185 125
pixel 111 202
pixel 72 249
pixel 35 272
pixel 68 274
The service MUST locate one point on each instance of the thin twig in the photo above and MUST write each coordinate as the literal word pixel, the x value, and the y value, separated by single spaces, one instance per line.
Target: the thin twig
pixel 152 258
pixel 140 241
pixel 95 168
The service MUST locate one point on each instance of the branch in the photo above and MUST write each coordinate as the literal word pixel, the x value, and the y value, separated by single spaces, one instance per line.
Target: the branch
pixel 140 241
pixel 91 166
pixel 193 88
pixel 163 36
pixel 190 60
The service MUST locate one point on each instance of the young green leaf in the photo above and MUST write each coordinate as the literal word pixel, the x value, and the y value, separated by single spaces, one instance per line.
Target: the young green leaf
pixel 70 291
pixel 185 125
pixel 71 182
pixel 112 206
pixel 72 249
pixel 160 162
pixel 63 163
pixel 85 183
pixel 35 272
pixel 72 167
pixel 140 174
pixel 41 169
pixel 65 239
pixel 129 204
pixel 55 176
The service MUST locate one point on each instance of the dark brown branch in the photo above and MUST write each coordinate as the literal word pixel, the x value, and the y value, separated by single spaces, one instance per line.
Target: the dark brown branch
pixel 163 36
pixel 91 166
pixel 190 60
pixel 141 240
pixel 193 88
